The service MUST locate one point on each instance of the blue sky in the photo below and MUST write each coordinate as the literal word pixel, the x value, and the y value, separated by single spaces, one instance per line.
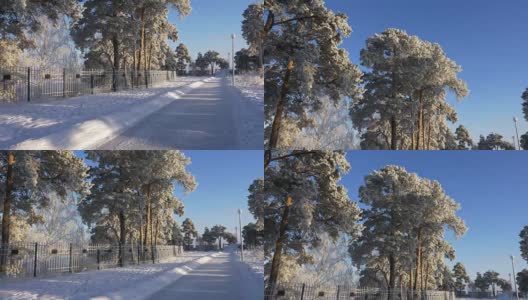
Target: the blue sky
pixel 223 180
pixel 490 186
pixel 487 38
pixel 210 25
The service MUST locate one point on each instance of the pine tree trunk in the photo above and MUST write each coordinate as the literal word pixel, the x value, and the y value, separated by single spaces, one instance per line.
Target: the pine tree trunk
pixel 392 275
pixel 6 214
pixel 420 122
pixel 427 269
pixel 279 110
pixel 142 38
pixel 418 261
pixel 115 46
pixel 122 237
pixel 394 134
pixel 279 244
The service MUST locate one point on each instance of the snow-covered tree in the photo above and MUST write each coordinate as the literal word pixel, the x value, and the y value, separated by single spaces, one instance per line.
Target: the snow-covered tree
pixel 463 138
pixel 189 231
pixel 133 195
pixel 404 103
pixel 494 141
pixel 252 236
pixel 54 47
pixel 524 243
pixel 461 276
pixel 404 225
pixel 21 20
pixel 182 58
pixel 481 282
pixel 302 198
pixel 492 278
pixel 304 62
pixel 245 62
pixel 252 31
pixel 525 104
pixel 207 237
pixel 201 63
pixel 331 129
pixel 211 58
pixel 61 223
pixel 331 264
pixel 28 180
pixel 522 281
pixel 524 141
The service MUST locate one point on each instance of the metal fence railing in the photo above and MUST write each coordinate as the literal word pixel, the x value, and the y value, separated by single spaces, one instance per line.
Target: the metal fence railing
pixel 28 84
pixel 23 259
pixel 312 292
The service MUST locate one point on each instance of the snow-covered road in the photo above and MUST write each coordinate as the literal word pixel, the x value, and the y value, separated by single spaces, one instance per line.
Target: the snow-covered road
pixel 208 117
pixel 222 278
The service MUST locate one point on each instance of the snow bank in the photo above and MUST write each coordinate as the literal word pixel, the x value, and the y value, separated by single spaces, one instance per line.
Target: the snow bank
pixel 104 284
pixel 250 111
pixel 86 121
pixel 254 262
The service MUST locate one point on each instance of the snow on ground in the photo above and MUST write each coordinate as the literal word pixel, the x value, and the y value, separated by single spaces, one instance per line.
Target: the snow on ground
pixel 92 283
pixel 254 262
pixel 251 112
pixel 22 121
pixel 251 86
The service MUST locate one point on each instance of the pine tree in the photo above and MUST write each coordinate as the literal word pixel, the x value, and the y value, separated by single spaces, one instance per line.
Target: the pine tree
pixel 301 199
pixel 494 141
pixel 524 243
pixel 301 45
pixel 189 231
pixel 461 276
pixel 404 103
pixel 182 58
pixel 404 223
pixel 463 138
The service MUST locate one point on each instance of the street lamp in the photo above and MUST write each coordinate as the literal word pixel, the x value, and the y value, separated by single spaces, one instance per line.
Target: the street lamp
pixel 517 133
pixel 233 56
pixel 514 282
pixel 241 239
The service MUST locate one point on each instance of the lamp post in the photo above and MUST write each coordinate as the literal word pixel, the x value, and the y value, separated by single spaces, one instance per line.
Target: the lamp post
pixel 233 56
pixel 241 239
pixel 517 134
pixel 514 282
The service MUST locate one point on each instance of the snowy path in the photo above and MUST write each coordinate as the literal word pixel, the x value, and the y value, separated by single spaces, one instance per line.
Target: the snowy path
pixel 222 278
pixel 79 122
pixel 208 117
pixel 87 285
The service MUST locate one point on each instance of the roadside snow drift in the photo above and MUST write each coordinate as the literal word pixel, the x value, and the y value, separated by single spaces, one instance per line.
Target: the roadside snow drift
pixel 84 122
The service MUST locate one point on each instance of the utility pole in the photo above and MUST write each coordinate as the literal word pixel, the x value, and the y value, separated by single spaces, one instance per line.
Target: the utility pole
pixel 514 282
pixel 241 239
pixel 517 133
pixel 233 56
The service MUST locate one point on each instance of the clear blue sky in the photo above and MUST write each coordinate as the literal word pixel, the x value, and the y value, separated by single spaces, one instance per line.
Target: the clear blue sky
pixel 223 180
pixel 210 25
pixel 487 38
pixel 490 186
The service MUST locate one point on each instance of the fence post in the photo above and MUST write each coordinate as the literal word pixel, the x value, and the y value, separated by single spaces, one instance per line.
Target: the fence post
pixel 64 82
pixel 92 82
pixel 35 261
pixel 71 259
pixel 98 259
pixel 29 84
pixel 337 296
pixel 302 292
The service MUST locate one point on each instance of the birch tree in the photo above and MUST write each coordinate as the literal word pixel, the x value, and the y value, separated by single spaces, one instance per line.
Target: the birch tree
pixel 19 19
pixel 301 46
